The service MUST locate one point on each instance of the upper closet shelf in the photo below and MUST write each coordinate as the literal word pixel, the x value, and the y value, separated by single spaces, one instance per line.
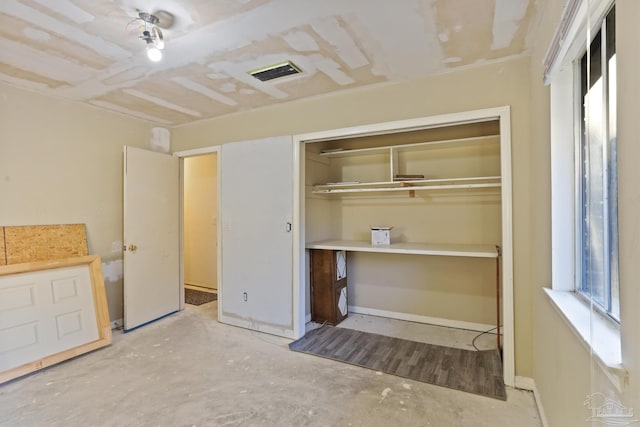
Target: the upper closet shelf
pixel 339 152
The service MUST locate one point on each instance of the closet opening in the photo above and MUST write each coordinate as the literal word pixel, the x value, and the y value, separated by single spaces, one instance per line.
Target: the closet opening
pixel 439 189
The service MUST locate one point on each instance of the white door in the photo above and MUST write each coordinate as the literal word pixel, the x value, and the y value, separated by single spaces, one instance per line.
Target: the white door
pixel 44 313
pixel 151 236
pixel 256 208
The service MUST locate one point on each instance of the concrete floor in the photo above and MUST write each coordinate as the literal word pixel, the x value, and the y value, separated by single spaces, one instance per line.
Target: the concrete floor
pixel 189 370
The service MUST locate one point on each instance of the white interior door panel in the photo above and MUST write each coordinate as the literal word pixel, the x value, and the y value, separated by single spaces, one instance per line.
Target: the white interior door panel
pixel 151 236
pixel 43 313
pixel 256 206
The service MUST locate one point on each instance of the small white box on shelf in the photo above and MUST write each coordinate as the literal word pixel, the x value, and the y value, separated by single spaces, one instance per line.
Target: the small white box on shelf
pixel 381 236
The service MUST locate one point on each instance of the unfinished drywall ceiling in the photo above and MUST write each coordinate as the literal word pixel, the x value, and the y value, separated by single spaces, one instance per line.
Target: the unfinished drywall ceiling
pixel 90 51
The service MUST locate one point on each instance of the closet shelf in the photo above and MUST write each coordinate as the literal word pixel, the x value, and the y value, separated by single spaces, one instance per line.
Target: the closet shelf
pixel 338 152
pixel 413 185
pixel 457 250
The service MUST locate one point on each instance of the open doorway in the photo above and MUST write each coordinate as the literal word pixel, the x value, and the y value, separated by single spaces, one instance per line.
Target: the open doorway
pixel 200 233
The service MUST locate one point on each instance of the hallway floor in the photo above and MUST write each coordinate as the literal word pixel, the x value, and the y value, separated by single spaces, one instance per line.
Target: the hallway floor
pixel 190 370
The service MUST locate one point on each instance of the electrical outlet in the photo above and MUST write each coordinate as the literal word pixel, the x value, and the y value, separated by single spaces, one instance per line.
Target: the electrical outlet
pixel 245 297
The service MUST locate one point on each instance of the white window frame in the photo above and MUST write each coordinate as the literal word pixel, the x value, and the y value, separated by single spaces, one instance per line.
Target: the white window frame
pixel 598 332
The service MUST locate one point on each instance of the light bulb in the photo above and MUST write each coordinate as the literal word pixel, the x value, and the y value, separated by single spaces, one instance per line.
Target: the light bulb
pixel 154 53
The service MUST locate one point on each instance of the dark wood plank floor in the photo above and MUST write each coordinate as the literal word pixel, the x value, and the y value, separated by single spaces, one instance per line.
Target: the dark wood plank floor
pixel 478 372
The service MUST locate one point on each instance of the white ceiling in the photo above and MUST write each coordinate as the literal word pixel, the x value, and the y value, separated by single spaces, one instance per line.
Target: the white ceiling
pixel 89 50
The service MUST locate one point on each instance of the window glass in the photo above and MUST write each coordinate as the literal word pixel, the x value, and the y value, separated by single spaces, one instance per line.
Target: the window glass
pixel 598 260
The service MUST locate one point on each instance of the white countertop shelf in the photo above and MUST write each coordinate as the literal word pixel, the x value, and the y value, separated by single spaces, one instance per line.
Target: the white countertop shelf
pixel 459 250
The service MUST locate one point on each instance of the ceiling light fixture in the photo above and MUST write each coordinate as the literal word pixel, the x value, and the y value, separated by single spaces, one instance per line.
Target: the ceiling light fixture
pixel 153 53
pixel 152 35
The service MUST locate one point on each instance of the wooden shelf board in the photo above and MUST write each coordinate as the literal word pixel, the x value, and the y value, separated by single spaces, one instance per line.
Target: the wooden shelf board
pixel 459 250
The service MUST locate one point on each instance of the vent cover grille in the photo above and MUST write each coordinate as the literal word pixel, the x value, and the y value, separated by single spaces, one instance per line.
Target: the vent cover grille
pixel 275 71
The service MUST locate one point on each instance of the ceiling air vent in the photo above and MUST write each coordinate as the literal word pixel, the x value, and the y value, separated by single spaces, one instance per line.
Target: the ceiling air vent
pixel 275 71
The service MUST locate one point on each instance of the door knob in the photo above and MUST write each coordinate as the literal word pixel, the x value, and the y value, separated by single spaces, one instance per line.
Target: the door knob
pixel 132 248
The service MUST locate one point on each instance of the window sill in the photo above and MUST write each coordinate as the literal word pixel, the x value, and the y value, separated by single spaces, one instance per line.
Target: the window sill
pixel 605 341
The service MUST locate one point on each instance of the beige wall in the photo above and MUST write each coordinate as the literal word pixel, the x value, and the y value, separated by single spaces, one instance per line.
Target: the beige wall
pixel 563 370
pixel 628 34
pixel 61 163
pixel 201 220
pixel 443 287
pixel 504 83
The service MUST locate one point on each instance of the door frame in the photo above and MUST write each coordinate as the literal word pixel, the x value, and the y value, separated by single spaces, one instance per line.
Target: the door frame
pixel 181 156
pixel 503 114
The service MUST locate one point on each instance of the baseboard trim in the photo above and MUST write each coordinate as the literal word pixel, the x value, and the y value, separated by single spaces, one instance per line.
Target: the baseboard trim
pixel 459 324
pixel 543 416
pixel 526 383
pixel 117 324
pixel 200 288
pixel 200 284
pixel 254 326
pixel 307 318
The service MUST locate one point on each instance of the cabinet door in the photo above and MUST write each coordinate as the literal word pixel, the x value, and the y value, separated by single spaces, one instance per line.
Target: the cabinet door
pixel 256 208
pixel 322 285
pixel 328 286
